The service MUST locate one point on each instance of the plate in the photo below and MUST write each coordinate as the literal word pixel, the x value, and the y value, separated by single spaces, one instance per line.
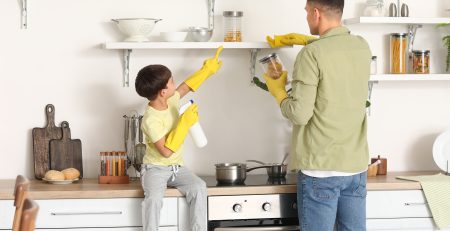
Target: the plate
pixel 441 151
pixel 60 181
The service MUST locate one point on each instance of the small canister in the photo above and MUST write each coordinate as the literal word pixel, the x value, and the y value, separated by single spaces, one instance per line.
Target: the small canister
pixel 232 22
pixel 272 65
pixel 421 62
pixel 382 167
pixel 398 53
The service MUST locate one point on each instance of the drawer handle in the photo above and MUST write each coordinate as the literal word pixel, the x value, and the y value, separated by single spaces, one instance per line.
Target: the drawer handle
pixel 415 204
pixel 88 213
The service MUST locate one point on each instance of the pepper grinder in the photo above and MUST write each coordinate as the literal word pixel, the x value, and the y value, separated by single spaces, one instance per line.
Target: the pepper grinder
pixel 382 167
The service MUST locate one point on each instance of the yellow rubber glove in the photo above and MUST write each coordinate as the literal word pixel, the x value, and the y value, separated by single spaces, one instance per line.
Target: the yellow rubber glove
pixel 277 87
pixel 289 40
pixel 210 66
pixel 176 137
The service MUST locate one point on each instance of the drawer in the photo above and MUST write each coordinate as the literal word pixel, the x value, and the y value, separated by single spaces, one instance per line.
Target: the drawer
pixel 117 212
pixel 7 210
pixel 397 204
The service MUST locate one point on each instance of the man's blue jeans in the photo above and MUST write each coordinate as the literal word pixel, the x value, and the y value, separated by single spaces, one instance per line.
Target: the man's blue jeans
pixel 326 202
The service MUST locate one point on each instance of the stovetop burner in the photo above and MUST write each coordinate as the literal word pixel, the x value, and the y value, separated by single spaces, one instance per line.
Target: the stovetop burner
pixel 253 180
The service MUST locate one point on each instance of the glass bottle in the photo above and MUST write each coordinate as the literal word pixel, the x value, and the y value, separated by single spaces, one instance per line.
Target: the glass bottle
pixel 398 53
pixel 272 65
pixel 374 8
pixel 232 21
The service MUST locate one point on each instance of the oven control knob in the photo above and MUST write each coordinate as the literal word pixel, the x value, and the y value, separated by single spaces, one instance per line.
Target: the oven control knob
pixel 266 206
pixel 237 208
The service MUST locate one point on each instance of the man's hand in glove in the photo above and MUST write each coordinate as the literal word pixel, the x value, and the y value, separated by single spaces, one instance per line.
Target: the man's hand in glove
pixel 176 137
pixel 289 40
pixel 277 87
pixel 210 66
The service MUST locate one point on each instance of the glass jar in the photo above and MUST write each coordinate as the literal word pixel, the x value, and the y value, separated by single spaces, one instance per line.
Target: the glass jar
pixel 421 62
pixel 374 8
pixel 272 65
pixel 232 21
pixel 398 53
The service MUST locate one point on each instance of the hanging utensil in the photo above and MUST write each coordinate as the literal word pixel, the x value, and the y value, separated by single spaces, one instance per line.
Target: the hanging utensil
pixel 284 158
pixel 140 147
pixel 24 15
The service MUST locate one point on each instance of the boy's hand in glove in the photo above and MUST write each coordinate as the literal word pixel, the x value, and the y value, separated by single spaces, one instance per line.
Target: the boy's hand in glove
pixel 176 137
pixel 210 66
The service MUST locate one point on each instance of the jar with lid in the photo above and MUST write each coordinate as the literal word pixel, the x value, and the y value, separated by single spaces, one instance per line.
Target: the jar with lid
pixel 421 61
pixel 374 8
pixel 232 21
pixel 272 65
pixel 398 53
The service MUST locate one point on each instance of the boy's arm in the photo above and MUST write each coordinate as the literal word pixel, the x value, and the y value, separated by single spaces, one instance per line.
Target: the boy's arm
pixel 210 66
pixel 183 89
pixel 160 146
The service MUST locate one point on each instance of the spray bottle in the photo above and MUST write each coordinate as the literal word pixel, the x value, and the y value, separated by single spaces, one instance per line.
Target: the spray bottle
pixel 195 130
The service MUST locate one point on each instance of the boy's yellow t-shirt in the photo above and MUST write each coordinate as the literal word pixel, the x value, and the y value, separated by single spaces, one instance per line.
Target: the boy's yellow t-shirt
pixel 157 124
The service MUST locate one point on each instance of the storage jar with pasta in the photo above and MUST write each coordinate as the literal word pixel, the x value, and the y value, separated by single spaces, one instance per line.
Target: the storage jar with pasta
pixel 421 62
pixel 399 53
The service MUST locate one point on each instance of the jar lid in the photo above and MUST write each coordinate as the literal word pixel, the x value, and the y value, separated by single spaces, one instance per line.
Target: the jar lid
pixel 267 58
pixel 399 34
pixel 421 52
pixel 233 13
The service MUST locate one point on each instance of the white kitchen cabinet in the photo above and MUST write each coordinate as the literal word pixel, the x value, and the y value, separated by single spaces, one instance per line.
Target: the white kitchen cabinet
pixel 398 210
pixel 92 214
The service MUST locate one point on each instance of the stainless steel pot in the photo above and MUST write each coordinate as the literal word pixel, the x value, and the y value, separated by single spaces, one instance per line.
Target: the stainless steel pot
pixel 273 170
pixel 232 173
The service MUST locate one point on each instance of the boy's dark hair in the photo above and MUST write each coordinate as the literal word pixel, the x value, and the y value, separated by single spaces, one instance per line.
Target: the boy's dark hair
pixel 334 6
pixel 151 79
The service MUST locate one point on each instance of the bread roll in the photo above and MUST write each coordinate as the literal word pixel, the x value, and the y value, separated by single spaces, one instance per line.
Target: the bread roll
pixel 71 173
pixel 54 175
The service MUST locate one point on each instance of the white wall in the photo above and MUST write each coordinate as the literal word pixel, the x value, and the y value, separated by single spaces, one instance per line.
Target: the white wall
pixel 59 60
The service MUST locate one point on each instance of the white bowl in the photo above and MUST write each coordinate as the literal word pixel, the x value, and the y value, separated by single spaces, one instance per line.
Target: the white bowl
pixel 200 34
pixel 137 29
pixel 174 36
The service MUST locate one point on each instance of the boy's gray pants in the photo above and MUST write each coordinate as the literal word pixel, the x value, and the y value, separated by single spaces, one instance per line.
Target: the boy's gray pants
pixel 155 180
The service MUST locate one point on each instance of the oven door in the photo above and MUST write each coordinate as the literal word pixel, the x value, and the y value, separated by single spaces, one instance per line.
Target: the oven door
pixel 272 228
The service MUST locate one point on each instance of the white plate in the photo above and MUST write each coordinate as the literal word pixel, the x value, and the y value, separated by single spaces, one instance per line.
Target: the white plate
pixel 60 181
pixel 441 151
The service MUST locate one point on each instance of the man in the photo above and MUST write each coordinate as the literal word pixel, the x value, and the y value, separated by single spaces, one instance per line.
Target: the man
pixel 327 109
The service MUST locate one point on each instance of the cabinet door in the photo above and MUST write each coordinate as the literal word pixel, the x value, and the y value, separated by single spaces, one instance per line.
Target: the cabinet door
pixel 85 213
pixel 7 210
pixel 397 204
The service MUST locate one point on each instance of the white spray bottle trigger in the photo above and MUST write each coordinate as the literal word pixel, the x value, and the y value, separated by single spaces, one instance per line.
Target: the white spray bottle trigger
pixel 195 130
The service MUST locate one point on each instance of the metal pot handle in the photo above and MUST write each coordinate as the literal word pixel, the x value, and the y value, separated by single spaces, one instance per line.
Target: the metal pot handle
pixel 256 161
pixel 264 166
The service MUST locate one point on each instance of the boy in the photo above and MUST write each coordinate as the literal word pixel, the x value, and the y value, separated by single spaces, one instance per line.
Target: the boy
pixel 165 131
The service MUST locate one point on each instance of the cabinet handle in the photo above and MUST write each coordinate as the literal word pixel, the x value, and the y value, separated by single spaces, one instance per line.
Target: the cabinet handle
pixel 87 213
pixel 415 204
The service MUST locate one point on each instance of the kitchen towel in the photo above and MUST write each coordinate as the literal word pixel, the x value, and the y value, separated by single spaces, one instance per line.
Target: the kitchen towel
pixel 437 192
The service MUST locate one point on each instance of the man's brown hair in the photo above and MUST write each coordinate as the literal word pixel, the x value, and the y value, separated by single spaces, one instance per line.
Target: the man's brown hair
pixel 331 6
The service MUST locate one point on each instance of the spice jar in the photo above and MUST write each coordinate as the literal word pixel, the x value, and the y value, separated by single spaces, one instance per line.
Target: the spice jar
pixel 232 21
pixel 421 61
pixel 398 53
pixel 272 65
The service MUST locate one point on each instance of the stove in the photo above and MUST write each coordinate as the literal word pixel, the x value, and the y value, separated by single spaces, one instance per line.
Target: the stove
pixel 253 212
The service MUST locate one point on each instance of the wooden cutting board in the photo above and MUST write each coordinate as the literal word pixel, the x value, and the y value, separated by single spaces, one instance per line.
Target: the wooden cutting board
pixel 41 140
pixel 65 152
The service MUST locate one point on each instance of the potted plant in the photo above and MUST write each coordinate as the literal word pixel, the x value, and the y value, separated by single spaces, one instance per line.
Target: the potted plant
pixel 446 40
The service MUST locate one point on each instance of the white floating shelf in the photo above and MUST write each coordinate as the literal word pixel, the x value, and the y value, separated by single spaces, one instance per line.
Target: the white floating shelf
pixel 395 20
pixel 185 45
pixel 410 77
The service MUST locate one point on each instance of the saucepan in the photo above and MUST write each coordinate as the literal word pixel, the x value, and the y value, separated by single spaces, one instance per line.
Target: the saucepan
pixel 232 173
pixel 273 170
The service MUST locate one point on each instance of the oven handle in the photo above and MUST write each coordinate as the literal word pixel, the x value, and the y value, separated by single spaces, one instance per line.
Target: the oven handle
pixel 273 228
